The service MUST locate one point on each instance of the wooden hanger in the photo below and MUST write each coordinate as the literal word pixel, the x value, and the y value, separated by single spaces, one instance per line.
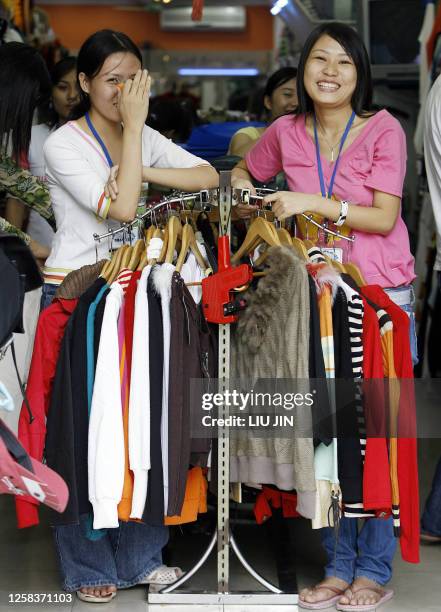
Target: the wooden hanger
pixel 126 258
pixel 107 270
pixel 117 263
pixel 174 232
pixel 136 255
pixel 300 248
pixel 149 234
pixel 284 236
pixel 260 231
pixel 189 244
pixel 355 273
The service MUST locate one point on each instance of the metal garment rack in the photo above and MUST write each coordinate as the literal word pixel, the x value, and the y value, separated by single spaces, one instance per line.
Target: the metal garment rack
pixel 223 198
pixel 222 536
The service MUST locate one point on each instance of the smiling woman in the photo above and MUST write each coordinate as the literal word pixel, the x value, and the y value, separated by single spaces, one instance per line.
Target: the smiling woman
pixel 335 145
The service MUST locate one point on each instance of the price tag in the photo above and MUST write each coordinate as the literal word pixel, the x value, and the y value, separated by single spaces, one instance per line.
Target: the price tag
pixel 333 253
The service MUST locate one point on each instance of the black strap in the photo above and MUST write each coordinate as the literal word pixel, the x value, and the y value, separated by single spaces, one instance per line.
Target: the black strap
pixel 22 388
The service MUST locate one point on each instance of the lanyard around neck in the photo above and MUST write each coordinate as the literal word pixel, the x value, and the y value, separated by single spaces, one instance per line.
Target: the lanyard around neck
pixel 328 194
pixel 99 139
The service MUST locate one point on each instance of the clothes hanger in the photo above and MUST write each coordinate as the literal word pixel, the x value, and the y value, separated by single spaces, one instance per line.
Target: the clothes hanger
pixel 300 248
pixel 189 244
pixel 174 232
pixel 117 263
pixel 107 270
pixel 355 273
pixel 260 231
pixel 136 255
pixel 126 258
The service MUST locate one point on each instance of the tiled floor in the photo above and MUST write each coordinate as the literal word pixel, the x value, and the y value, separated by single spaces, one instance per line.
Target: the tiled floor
pixel 28 564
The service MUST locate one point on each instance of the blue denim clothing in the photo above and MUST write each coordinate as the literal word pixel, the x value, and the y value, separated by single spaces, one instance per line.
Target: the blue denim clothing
pixel 409 310
pixel 366 553
pixel 123 557
pixel 431 519
pixel 47 295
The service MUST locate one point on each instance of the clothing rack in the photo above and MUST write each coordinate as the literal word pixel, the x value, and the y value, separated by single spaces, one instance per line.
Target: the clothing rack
pixel 223 198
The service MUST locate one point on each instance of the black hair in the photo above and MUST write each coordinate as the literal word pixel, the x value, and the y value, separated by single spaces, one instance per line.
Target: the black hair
pixel 279 78
pixel 93 53
pixel 172 114
pixel 351 42
pixel 47 113
pixel 24 85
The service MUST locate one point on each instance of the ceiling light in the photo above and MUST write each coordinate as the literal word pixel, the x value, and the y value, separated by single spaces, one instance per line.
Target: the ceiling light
pixel 218 71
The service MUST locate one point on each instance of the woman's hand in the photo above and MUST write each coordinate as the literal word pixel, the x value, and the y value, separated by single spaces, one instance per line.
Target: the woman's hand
pixel 288 203
pixel 244 211
pixel 134 101
pixel 111 187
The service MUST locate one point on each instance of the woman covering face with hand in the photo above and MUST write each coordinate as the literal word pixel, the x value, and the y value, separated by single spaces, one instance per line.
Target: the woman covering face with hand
pixel 334 145
pixel 82 156
pixel 108 138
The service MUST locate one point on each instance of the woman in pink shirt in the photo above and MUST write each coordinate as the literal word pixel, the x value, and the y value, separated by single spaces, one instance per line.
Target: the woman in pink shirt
pixel 335 145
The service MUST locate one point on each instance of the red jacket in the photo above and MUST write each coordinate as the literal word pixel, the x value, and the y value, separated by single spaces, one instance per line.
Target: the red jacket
pixel 407 446
pixel 48 337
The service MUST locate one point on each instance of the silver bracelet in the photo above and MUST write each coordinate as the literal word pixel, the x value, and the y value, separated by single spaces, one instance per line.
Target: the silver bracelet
pixel 344 206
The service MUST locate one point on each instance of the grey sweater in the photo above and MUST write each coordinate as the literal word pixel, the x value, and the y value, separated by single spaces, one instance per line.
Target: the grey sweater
pixel 271 341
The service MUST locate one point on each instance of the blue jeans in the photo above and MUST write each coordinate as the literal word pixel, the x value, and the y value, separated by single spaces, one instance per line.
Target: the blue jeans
pixel 47 295
pixel 122 557
pixel 366 553
pixel 409 310
pixel 431 519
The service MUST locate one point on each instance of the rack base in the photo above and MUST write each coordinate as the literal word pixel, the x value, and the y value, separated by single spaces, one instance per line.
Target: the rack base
pixel 219 599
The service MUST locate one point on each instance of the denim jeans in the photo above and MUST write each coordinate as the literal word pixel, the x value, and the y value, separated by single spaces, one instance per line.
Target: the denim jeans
pixel 395 295
pixel 47 295
pixel 122 557
pixel 431 519
pixel 367 552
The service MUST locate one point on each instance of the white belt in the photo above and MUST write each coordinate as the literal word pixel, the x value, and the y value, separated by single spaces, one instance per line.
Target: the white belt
pixel 401 297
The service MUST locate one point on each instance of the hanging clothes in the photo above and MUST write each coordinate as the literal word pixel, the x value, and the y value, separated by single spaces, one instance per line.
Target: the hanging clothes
pixel 277 316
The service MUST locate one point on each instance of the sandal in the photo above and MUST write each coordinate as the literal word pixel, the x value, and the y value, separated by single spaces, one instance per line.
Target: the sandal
pixel 88 598
pixel 324 603
pixel 385 595
pixel 428 538
pixel 163 576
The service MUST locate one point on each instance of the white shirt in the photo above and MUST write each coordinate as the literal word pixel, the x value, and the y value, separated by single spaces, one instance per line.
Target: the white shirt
pixel 38 228
pixel 432 156
pixel 77 172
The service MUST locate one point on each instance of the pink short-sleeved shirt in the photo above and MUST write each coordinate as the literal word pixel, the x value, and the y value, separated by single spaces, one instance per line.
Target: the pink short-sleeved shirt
pixel 375 160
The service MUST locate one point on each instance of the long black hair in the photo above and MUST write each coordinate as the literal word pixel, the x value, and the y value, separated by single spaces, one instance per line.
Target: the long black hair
pixel 24 85
pixel 351 42
pixel 93 53
pixel 47 113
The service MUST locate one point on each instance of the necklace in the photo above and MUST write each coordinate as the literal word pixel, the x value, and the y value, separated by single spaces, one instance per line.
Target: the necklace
pixel 331 147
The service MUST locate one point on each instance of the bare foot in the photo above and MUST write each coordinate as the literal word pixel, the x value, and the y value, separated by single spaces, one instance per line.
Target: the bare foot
pixel 362 592
pixel 321 594
pixel 99 591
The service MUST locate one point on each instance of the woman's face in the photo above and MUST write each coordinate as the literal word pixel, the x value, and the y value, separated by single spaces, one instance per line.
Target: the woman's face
pixel 330 74
pixel 102 88
pixel 283 100
pixel 65 95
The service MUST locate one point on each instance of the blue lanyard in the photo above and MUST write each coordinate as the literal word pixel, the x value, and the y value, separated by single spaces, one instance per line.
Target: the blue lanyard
pixel 99 139
pixel 328 194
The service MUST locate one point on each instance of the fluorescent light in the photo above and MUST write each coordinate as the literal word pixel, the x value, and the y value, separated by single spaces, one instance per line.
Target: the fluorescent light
pixel 218 71
pixel 278 6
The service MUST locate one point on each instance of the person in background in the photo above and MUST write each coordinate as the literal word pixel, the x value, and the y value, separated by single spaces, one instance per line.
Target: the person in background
pixel 279 98
pixel 172 117
pixel 65 95
pixel 431 518
pixel 335 123
pixel 24 86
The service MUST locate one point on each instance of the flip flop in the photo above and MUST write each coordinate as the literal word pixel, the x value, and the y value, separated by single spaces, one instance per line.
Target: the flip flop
pixel 386 595
pixel 324 603
pixel 429 538
pixel 88 598
pixel 163 575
